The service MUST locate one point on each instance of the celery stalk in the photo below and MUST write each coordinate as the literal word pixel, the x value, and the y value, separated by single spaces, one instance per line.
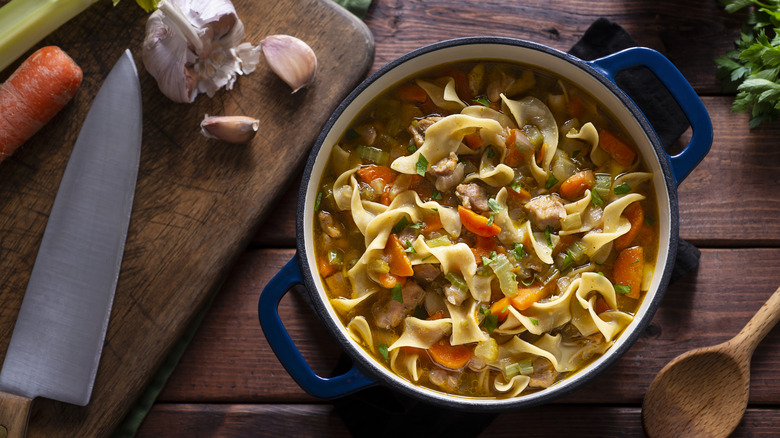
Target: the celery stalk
pixel 23 23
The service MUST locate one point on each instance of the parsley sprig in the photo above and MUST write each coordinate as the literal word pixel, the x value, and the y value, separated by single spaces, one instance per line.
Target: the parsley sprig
pixel 752 69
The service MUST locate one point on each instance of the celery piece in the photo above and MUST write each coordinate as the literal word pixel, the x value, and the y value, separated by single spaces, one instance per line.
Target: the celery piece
pixel 506 279
pixel 457 281
pixel 439 241
pixel 23 23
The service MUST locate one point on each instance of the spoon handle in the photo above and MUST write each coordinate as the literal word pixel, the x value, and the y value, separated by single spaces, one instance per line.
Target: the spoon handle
pixel 760 324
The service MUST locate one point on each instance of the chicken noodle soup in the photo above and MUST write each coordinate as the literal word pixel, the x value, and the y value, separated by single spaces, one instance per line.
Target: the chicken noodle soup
pixel 485 230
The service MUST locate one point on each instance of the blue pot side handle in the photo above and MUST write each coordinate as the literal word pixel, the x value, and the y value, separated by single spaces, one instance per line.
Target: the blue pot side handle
pixel 683 163
pixel 285 349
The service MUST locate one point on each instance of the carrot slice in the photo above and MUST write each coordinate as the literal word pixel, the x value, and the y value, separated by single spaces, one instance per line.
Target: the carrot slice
pixel 375 172
pixel 473 141
pixel 575 107
pixel 628 270
pixel 574 186
pixel 389 280
pixel 325 268
pixel 528 295
pixel 513 157
pixel 483 248
pixel 499 308
pixel 449 356
pixel 476 223
pixel 620 151
pixel 636 216
pixel 400 265
pixel 42 85
pixel 411 93
pixel 600 306
pixel 432 223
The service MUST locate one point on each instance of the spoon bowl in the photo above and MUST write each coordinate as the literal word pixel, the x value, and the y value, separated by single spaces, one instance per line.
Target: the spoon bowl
pixel 704 392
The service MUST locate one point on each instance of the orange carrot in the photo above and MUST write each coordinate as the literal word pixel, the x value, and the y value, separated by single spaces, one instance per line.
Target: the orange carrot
pixel 435 316
pixel 574 186
pixel 520 194
pixel 476 223
pixel 432 223
pixel 621 152
pixel 400 265
pixel 628 270
pixel 499 308
pixel 483 248
pixel 449 356
pixel 636 216
pixel 411 93
pixel 33 94
pixel 325 268
pixel 389 280
pixel 374 172
pixel 513 157
pixel 600 306
pixel 473 141
pixel 528 295
pixel 575 107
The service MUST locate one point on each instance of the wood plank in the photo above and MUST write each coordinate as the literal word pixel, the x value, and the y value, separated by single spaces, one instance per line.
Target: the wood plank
pixel 193 420
pixel 197 201
pixel 230 361
pixel 690 34
pixel 597 421
pixel 719 202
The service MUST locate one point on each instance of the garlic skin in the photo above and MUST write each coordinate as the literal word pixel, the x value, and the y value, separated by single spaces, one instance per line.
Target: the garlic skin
pixel 232 129
pixel 194 46
pixel 291 59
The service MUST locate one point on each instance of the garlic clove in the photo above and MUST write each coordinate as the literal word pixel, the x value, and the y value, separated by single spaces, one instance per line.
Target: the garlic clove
pixel 232 129
pixel 291 59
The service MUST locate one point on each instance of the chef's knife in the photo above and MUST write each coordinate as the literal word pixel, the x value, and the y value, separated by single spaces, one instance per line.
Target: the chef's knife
pixel 58 337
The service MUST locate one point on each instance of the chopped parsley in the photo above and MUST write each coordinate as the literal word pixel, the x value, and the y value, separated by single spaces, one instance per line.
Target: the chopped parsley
pixel 482 101
pixel 568 260
pixel 383 351
pixel 623 289
pixel 595 199
pixel 318 202
pixel 518 251
pixel 548 235
pixel 403 223
pixel 622 189
pixel 530 282
pixel 494 205
pixel 409 248
pixel 490 322
pixel 397 293
pixel 412 148
pixel 534 321
pixel 490 152
pixel 487 261
pixel 422 165
pixel 350 135
pixel 551 182
pixel 436 196
pixel 491 219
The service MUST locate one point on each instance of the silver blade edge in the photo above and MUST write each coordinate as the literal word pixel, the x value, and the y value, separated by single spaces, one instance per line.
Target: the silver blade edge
pixel 58 338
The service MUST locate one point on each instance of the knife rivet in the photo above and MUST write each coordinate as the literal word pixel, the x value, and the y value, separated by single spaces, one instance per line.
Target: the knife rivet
pixel 3 432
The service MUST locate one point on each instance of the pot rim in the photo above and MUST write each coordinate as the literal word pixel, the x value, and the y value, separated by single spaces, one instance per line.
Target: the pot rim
pixel 572 382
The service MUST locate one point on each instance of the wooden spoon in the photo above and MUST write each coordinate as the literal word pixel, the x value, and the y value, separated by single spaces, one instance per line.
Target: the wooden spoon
pixel 704 392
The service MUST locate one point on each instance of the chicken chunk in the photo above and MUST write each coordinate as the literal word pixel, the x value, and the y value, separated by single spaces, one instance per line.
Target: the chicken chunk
pixel 546 211
pixel 418 128
pixel 392 313
pixel 426 272
pixel 472 196
pixel 448 172
pixel 544 374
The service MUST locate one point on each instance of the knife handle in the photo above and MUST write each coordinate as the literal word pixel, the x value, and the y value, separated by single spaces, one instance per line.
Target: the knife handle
pixel 14 415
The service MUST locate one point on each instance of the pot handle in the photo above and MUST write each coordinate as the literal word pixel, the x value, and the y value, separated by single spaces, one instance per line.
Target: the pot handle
pixel 284 348
pixel 683 163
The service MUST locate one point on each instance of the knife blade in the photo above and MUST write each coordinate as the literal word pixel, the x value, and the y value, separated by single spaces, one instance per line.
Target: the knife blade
pixel 59 333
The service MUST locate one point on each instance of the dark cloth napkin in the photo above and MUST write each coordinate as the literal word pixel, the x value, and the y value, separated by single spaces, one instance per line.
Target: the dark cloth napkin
pixel 382 412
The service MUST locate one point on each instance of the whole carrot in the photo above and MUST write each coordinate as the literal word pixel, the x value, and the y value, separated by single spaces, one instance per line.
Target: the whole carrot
pixel 33 94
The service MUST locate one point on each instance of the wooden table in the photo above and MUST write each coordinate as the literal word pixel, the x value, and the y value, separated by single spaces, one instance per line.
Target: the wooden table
pixel 229 382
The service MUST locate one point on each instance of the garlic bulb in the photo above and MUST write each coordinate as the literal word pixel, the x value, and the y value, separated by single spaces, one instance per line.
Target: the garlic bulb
pixel 291 59
pixel 232 129
pixel 194 46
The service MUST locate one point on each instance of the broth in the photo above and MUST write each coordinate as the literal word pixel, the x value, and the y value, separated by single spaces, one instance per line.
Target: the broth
pixel 485 229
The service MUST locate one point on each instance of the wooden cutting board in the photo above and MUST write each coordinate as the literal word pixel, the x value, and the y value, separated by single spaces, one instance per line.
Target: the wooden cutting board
pixel 197 202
